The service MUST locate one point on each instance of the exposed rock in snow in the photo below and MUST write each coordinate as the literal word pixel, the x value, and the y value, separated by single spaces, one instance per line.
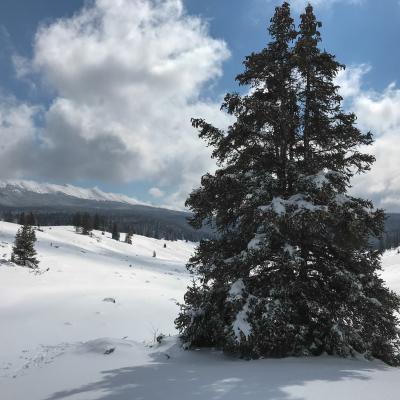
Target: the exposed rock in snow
pixel 109 299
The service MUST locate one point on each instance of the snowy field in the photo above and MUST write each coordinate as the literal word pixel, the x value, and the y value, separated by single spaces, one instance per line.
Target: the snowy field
pixel 55 329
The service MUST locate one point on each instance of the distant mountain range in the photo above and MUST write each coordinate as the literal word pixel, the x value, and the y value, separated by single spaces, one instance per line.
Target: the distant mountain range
pixel 56 204
pixel 22 193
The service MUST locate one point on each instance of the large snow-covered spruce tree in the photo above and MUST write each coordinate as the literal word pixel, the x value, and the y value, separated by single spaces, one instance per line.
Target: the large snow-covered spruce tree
pixel 291 270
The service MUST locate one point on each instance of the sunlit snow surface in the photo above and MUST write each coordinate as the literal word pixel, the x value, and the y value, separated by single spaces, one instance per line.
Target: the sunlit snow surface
pixel 55 329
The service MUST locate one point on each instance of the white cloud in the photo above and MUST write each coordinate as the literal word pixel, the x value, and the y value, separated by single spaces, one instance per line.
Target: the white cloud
pixel 350 80
pixel 156 192
pixel 17 136
pixel 127 76
pixel 379 113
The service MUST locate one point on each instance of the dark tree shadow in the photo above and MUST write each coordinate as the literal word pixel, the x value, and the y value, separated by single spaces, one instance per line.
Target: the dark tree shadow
pixel 212 376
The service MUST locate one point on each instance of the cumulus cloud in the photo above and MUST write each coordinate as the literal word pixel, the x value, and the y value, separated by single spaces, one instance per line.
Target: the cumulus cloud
pixel 350 80
pixel 156 192
pixel 379 113
pixel 126 76
pixel 17 136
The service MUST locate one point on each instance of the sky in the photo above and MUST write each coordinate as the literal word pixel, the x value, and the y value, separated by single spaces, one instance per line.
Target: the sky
pixel 101 92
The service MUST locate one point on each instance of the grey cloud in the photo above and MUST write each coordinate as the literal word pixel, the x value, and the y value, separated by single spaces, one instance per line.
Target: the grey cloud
pixel 126 77
pixel 379 113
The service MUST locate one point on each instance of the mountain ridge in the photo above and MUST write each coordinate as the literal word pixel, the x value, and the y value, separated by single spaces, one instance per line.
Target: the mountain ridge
pixel 56 204
pixel 95 194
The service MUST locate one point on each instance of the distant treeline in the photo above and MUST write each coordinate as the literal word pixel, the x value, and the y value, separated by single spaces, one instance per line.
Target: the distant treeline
pixel 140 225
pixel 390 240
pixel 151 226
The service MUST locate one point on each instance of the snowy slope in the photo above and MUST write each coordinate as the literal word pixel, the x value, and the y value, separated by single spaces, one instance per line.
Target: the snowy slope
pixel 55 329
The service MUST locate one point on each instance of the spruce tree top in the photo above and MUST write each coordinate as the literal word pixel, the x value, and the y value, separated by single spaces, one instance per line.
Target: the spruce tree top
pixel 291 270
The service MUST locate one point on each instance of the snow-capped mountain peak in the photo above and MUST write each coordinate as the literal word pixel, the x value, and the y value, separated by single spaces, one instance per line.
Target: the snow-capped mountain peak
pixel 95 194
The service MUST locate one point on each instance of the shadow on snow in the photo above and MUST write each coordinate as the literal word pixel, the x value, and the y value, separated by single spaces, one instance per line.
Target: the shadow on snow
pixel 209 375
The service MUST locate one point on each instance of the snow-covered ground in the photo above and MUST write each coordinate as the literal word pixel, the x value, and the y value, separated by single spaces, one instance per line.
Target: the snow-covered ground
pixel 55 329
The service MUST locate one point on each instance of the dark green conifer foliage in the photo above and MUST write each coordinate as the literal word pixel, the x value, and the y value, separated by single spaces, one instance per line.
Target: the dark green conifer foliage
pixel 21 219
pixel 77 222
pixel 8 217
pixel 128 238
pixel 30 219
pixel 115 232
pixel 86 224
pixel 24 252
pixel 96 222
pixel 291 271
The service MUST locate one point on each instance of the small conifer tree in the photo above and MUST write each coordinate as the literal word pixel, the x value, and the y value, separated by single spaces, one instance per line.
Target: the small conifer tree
pixel 30 219
pixel 21 219
pixel 86 224
pixel 115 232
pixel 77 222
pixel 24 252
pixel 128 238
pixel 96 222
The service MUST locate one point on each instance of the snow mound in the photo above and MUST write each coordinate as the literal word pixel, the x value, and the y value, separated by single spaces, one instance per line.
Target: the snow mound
pixel 103 345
